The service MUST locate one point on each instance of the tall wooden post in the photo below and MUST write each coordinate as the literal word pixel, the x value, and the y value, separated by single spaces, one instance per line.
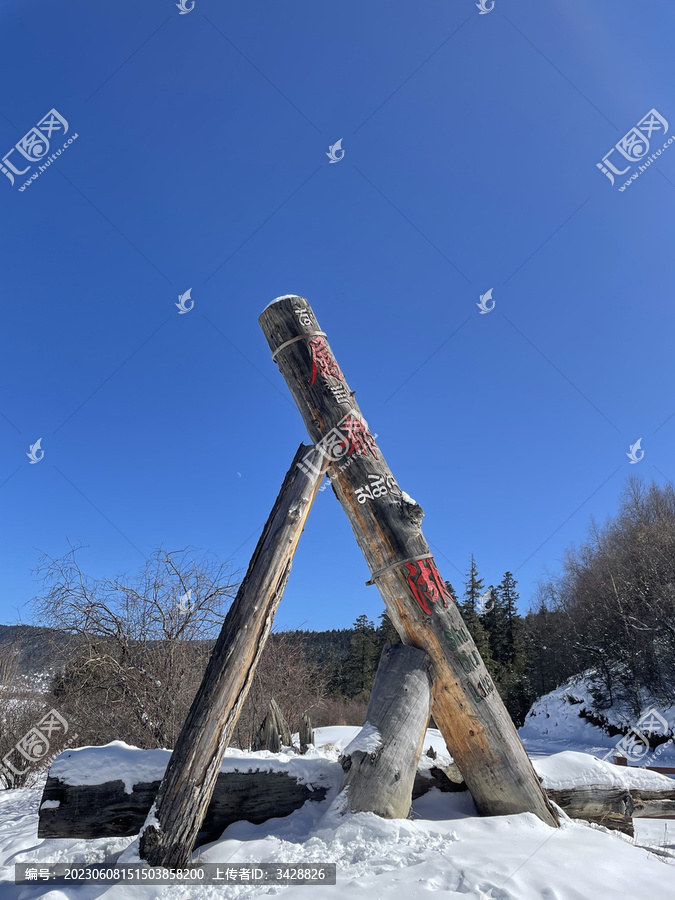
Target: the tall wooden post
pixel 169 834
pixel 386 521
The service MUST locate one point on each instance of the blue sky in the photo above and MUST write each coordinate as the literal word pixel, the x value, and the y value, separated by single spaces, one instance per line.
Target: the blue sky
pixel 470 149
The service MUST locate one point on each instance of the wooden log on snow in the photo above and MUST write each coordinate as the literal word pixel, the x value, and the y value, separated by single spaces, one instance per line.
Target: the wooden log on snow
pixel 380 764
pixel 468 710
pixel 435 777
pixel 106 810
pixel 190 777
pixel 608 806
pixel 653 809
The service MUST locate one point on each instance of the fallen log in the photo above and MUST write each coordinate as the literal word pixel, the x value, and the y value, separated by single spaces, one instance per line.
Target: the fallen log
pixel 380 764
pixel 106 810
pixel 468 710
pixel 185 792
pixel 653 809
pixel 608 806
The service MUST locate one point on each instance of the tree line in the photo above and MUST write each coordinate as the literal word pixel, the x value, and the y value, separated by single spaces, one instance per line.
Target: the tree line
pixel 609 613
pixel 505 639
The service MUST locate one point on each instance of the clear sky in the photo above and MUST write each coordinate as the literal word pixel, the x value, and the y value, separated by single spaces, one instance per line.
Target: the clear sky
pixel 470 149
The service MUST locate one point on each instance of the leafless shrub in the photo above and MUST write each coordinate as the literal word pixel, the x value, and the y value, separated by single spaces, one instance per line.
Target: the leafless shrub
pixel 332 711
pixel 141 643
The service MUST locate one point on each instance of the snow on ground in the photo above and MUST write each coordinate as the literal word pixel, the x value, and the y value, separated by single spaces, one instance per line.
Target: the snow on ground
pixel 444 848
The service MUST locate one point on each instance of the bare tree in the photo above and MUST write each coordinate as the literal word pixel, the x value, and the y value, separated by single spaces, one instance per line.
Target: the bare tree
pixel 140 643
pixel 617 591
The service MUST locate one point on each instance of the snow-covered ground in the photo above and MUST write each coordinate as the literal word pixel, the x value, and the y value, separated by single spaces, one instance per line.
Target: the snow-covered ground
pixel 444 848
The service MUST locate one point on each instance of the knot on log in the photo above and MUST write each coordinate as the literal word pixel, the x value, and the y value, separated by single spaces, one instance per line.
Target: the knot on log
pixel 411 509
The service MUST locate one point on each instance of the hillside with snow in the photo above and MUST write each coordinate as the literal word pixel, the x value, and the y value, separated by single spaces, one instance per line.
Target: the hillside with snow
pixel 570 718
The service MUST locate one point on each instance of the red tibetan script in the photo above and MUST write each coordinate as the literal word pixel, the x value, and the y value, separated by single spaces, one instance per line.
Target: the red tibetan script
pixel 360 439
pixel 323 360
pixel 426 584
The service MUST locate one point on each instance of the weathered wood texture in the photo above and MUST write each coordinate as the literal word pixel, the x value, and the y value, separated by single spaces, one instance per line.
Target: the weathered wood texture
pixel 467 709
pixel 306 734
pixel 608 806
pixel 381 780
pixel 274 731
pixel 105 810
pixel 190 777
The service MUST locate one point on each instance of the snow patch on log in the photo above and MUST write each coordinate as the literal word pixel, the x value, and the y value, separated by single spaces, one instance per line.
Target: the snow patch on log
pixel 368 740
pixel 118 761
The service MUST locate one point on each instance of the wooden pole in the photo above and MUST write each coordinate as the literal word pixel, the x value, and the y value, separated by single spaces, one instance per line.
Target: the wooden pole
pixel 468 710
pixel 189 780
pixel 381 762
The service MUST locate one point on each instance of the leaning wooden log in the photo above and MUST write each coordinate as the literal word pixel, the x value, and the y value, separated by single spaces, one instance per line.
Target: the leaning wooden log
pixel 386 522
pixel 106 810
pixel 190 778
pixel 281 723
pixel 380 764
pixel 268 735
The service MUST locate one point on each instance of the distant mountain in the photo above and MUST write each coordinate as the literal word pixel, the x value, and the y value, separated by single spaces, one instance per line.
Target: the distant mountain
pixel 40 649
pixel 37 648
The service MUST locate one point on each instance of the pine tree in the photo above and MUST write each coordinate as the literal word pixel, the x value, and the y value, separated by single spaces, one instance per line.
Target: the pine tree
pixel 386 633
pixel 512 641
pixel 451 591
pixel 468 608
pixel 473 587
pixel 507 644
pixel 361 663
